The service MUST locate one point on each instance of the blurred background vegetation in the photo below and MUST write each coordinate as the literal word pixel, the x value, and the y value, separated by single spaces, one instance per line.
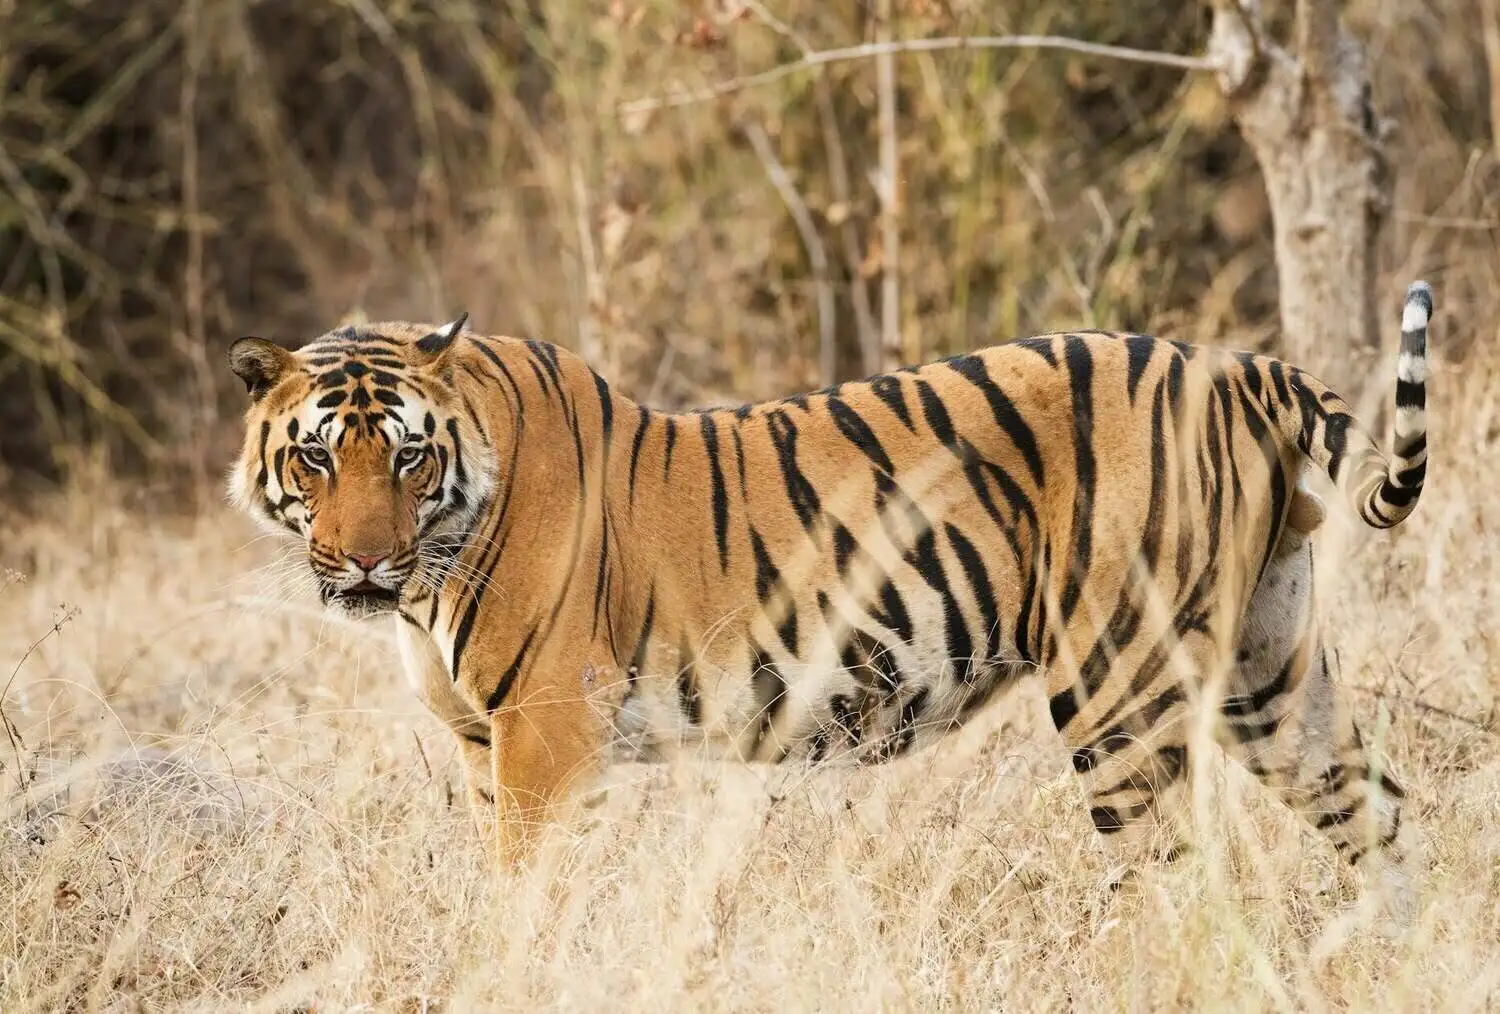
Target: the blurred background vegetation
pixel 174 175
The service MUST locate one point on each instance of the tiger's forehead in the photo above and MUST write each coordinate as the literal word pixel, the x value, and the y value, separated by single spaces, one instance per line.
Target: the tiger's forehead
pixel 363 384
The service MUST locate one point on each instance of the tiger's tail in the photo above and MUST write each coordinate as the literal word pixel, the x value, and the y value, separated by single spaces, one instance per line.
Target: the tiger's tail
pixel 1383 491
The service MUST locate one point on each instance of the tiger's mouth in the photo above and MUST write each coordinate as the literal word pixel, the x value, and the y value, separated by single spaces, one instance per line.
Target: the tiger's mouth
pixel 363 599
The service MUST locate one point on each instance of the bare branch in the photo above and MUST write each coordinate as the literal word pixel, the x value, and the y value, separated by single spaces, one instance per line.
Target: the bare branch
pixel 898 46
pixel 811 241
pixel 890 235
pixel 593 285
pixel 1489 11
pixel 838 176
pixel 1234 43
pixel 1486 723
pixel 1318 38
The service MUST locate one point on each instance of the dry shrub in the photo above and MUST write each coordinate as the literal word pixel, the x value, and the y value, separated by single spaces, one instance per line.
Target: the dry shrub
pixel 175 175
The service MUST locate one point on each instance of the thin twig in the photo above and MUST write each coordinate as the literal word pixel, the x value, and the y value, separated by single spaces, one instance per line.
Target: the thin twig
pixel 593 286
pixel 890 235
pixel 194 286
pixel 1489 19
pixel 422 753
pixel 1451 222
pixel 816 254
pixel 12 731
pixel 838 178
pixel 897 46
pixel 1485 725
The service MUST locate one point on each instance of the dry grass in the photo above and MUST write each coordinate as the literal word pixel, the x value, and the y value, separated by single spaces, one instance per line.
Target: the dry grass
pixel 225 800
pixel 220 799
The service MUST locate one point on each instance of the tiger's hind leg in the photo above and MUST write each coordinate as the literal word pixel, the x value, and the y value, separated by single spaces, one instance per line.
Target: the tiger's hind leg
pixel 1124 712
pixel 1283 719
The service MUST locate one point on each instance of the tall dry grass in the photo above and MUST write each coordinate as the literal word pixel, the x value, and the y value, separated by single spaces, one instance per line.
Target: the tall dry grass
pixel 214 798
pixel 217 798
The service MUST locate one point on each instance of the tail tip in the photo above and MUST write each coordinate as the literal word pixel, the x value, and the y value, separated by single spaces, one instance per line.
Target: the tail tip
pixel 1418 309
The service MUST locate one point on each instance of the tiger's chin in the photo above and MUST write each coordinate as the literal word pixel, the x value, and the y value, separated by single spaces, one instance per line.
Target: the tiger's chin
pixel 363 600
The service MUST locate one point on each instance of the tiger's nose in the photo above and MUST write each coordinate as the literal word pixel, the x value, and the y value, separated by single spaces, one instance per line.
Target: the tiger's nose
pixel 367 563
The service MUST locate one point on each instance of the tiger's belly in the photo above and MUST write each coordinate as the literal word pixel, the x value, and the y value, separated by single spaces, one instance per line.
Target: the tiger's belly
pixel 867 712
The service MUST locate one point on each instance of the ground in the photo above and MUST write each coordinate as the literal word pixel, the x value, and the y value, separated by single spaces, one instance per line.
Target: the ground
pixel 221 798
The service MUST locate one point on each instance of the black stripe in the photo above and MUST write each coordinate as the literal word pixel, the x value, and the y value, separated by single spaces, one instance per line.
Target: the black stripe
pixel 547 356
pixel 643 639
pixel 767 585
pixel 1410 394
pixel 888 389
pixel 739 458
pixel 770 694
pixel 1249 374
pixel 984 592
pixel 1262 696
pixel 688 700
pixel 1333 818
pixel 498 695
pixel 858 432
pixel 1265 438
pixel 719 493
pixel 600 576
pixel 893 614
pixel 879 669
pixel 1107 820
pixel 844 548
pixel 1138 352
pixel 606 409
pixel 923 558
pixel 1412 446
pixel 264 474
pixel 1124 623
pixel 936 414
pixel 1278 381
pixel 1112 741
pixel 1009 418
pixel 643 421
pixel 1080 365
pixel 666 467
pixel 803 497
pixel 1041 346
pixel 900 739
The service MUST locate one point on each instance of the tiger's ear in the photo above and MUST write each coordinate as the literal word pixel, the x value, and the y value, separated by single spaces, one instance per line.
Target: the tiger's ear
pixel 437 342
pixel 261 364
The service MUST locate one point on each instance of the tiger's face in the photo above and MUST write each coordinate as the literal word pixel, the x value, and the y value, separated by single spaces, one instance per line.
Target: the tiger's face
pixel 356 444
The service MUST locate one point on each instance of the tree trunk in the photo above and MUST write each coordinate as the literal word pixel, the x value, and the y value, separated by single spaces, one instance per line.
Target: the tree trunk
pixel 1307 116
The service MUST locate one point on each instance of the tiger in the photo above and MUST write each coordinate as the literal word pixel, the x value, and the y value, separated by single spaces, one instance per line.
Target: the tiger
pixel 850 574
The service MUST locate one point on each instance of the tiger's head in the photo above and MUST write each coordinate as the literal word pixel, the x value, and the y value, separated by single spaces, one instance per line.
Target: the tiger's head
pixel 359 444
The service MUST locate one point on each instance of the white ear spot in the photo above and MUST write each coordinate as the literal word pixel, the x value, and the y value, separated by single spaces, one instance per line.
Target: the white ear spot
pixel 438 341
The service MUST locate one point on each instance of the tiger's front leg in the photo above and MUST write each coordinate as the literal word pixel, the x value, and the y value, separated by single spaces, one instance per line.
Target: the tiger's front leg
pixel 429 678
pixel 549 740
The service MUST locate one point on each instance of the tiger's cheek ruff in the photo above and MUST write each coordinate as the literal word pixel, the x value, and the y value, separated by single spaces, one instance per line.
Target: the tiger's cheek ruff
pixel 263 483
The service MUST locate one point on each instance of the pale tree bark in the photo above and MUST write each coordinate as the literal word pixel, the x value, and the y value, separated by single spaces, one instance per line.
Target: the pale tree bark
pixel 1306 111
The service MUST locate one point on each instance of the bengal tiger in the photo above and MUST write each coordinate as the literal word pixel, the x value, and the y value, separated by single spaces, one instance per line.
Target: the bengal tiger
pixel 847 574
